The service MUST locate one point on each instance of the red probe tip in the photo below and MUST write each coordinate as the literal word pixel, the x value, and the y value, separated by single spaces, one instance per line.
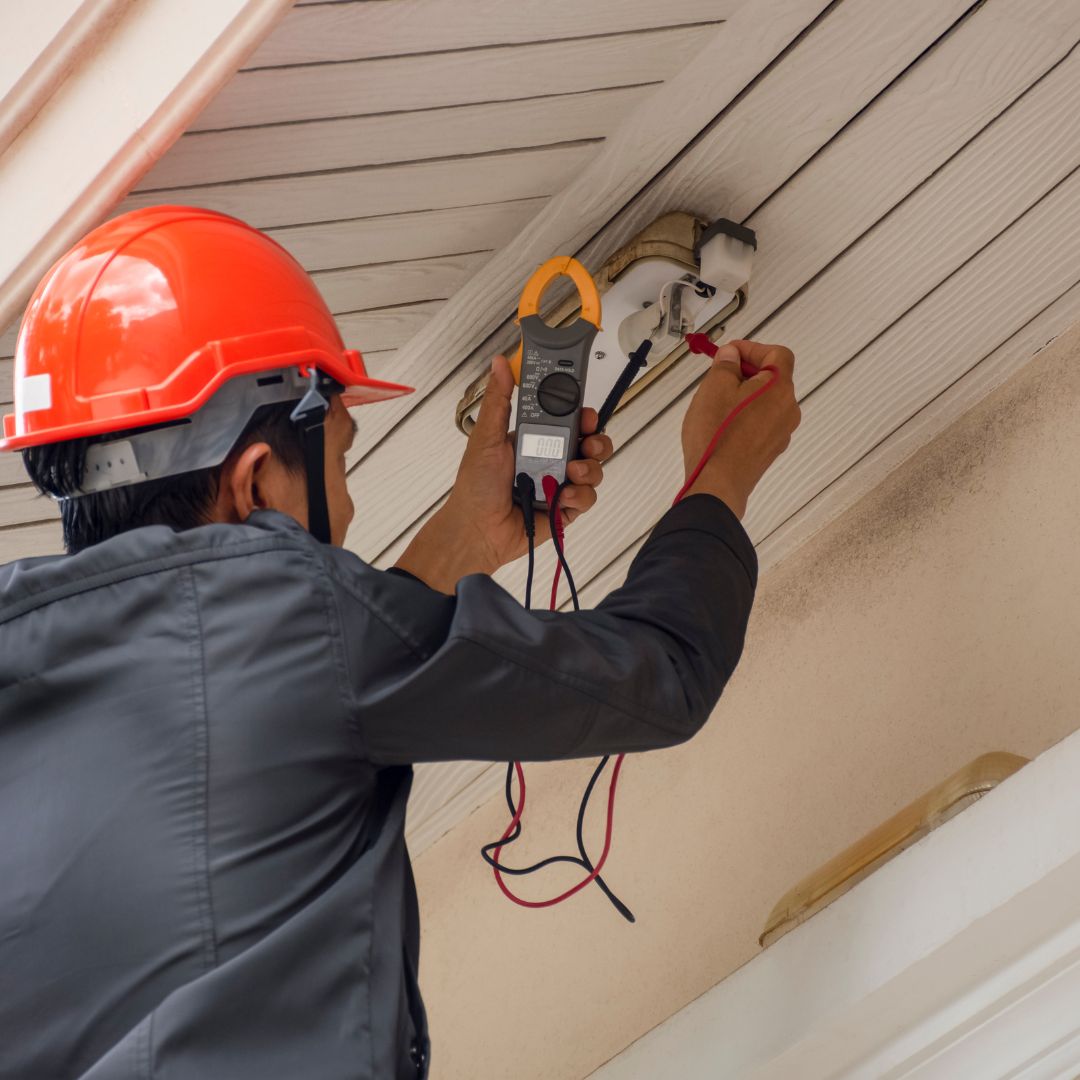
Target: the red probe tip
pixel 700 343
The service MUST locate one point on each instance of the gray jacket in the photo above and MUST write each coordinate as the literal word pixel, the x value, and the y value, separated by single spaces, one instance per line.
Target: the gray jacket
pixel 205 750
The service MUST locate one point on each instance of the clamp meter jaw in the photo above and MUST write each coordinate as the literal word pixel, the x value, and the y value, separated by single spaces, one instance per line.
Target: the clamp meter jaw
pixel 551 370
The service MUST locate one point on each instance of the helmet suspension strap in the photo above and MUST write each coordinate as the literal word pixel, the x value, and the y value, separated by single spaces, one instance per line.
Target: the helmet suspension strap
pixel 310 415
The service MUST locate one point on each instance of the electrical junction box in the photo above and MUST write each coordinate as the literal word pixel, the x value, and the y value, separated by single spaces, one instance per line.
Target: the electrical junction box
pixel 679 274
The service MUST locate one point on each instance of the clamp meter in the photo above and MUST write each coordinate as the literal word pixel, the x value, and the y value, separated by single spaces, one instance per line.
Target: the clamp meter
pixel 550 368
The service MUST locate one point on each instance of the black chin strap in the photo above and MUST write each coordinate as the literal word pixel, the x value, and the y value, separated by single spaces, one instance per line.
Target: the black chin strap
pixel 310 415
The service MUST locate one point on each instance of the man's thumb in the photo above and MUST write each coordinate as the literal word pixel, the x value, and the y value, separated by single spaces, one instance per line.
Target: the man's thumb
pixel 493 420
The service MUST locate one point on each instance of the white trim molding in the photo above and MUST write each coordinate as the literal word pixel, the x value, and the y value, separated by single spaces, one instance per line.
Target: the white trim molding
pixel 100 108
pixel 961 958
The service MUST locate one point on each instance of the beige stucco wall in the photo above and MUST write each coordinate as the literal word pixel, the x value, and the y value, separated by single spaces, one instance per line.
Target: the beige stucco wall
pixel 937 619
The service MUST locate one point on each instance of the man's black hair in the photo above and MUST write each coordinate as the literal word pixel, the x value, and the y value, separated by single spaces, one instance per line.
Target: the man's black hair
pixel 181 502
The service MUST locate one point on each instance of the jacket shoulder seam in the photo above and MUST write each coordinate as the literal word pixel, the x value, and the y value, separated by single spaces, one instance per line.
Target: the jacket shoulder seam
pixel 146 568
pixel 201 829
pixel 335 625
pixel 378 613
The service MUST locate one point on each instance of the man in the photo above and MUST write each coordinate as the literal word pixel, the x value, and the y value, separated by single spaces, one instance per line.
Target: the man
pixel 209 709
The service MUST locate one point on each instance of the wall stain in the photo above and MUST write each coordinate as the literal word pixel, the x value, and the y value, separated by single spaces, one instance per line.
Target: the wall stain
pixel 883 532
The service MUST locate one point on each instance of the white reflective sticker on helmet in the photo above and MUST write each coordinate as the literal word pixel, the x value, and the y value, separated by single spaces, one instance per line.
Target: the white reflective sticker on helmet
pixel 110 465
pixel 34 393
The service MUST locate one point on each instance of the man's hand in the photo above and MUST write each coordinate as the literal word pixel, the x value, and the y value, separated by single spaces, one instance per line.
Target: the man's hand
pixel 479 529
pixel 756 438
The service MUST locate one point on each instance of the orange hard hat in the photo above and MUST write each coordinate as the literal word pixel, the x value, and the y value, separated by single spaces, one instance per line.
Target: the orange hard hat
pixel 145 319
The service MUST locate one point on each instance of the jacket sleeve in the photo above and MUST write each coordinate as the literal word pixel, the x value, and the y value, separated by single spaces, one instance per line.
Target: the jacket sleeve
pixel 475 676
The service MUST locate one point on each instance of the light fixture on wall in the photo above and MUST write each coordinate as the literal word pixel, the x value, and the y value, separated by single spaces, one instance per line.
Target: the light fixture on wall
pixel 679 274
pixel 844 871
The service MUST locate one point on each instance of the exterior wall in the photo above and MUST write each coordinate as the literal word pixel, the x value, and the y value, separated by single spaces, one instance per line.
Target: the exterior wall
pixel 935 620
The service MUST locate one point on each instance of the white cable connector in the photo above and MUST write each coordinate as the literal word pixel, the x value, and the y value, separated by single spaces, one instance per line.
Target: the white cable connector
pixel 667 320
pixel 726 260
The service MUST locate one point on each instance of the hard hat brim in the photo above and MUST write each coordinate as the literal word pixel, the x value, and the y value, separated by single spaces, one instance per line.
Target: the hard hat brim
pixel 205 372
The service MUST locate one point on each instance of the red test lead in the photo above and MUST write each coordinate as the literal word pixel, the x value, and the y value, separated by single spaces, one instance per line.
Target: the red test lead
pixel 701 344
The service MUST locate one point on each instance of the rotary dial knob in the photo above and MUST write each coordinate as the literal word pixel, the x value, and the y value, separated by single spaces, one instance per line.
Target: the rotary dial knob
pixel 559 394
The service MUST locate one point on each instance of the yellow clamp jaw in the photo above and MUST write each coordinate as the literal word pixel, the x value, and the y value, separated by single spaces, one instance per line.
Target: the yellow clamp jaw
pixel 536 286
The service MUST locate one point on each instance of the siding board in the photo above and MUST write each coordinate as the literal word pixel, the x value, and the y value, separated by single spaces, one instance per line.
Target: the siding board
pixel 465 77
pixel 31 540
pixel 365 287
pixel 1014 163
pixel 278 149
pixel 363 31
pixel 394 237
pixel 385 328
pixel 20 505
pixel 394 189
pixel 11 470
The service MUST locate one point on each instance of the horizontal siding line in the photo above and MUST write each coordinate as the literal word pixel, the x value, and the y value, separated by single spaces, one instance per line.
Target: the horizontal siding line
pixel 29 524
pixel 910 312
pixel 927 404
pixel 768 557
pixel 426 108
pixel 317 274
pixel 387 308
pixel 398 189
pixel 507 72
pixel 639 539
pixel 898 207
pixel 487 48
pixel 926 296
pixel 402 420
pixel 401 213
pixel 753 332
pixel 704 133
pixel 884 92
pixel 505 152
pixel 374 560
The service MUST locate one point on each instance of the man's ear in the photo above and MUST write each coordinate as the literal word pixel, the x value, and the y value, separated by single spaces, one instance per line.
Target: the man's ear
pixel 243 484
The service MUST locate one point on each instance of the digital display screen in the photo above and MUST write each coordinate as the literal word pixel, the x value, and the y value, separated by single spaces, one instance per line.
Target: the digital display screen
pixel 543 446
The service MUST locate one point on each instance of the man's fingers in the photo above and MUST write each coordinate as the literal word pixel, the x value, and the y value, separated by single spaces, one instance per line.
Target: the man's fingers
pixel 585 471
pixel 727 369
pixel 579 497
pixel 753 384
pixel 598 447
pixel 493 420
pixel 589 419
pixel 761 355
